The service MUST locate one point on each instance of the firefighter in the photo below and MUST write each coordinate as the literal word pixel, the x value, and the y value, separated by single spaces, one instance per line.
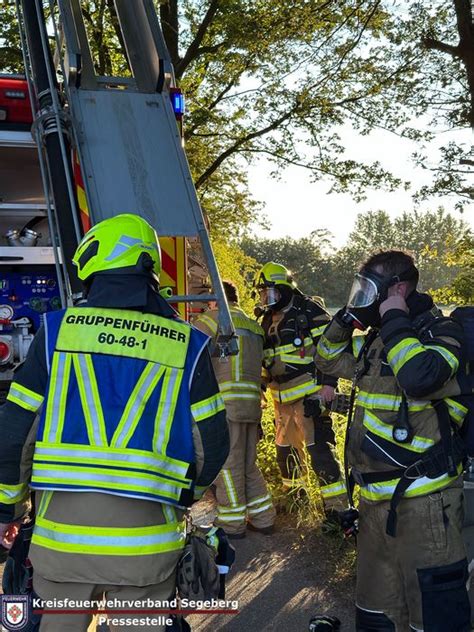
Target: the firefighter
pixel 293 323
pixel 241 491
pixel 130 415
pixel 412 568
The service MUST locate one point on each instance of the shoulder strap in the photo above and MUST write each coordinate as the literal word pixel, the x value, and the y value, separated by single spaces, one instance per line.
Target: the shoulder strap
pixel 424 321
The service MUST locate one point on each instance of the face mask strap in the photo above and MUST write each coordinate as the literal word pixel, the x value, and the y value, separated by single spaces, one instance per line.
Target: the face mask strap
pixel 410 274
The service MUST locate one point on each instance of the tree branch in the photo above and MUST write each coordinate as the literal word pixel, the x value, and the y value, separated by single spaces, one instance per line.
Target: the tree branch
pixel 117 29
pixel 283 158
pixel 193 48
pixel 191 130
pixel 355 43
pixel 242 141
pixel 433 44
pixel 88 16
pixel 203 50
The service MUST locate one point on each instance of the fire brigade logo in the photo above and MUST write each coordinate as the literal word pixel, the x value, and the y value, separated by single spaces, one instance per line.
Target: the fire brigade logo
pixel 15 612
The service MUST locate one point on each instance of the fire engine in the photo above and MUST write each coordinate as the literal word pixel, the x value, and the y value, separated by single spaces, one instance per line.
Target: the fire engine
pixel 76 148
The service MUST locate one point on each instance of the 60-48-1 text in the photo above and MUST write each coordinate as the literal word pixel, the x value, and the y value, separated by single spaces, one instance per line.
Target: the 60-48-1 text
pixel 125 341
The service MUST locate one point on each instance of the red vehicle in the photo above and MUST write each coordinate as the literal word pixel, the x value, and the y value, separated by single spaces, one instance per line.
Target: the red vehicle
pixel 15 108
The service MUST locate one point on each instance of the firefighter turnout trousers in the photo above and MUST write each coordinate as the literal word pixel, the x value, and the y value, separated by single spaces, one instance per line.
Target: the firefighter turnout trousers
pixel 293 432
pixel 116 622
pixel 416 581
pixel 291 376
pixel 241 489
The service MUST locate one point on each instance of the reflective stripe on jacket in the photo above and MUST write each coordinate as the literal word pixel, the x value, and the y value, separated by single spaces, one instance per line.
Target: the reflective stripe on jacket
pixel 288 367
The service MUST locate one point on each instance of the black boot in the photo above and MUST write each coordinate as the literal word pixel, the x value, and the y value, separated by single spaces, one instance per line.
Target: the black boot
pixel 324 623
pixel 289 462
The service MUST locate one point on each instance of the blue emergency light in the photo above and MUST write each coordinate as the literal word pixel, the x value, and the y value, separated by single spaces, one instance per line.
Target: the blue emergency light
pixel 177 99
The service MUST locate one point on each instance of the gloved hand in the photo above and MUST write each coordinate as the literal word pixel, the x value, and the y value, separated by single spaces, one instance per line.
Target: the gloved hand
pixel 326 394
pixel 349 519
pixel 340 403
pixel 312 406
pixel 15 578
pixel 343 319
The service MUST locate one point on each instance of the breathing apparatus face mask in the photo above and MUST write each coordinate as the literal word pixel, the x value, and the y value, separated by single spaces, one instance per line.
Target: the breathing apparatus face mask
pixel 269 296
pixel 368 291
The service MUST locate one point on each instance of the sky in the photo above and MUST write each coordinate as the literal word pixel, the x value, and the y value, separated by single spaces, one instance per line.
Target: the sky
pixel 295 206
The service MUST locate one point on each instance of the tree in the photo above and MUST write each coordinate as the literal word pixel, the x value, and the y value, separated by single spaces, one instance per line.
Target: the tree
pixel 11 59
pixel 461 290
pixel 306 258
pixel 270 78
pixel 438 39
pixel 273 79
pixel 442 245
pixel 236 266
pixel 279 79
pixel 432 236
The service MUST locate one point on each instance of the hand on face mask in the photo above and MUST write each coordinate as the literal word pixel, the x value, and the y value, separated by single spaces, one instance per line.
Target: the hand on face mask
pixel 396 301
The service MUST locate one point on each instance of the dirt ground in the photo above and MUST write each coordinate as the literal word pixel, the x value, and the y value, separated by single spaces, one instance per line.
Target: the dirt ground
pixel 282 580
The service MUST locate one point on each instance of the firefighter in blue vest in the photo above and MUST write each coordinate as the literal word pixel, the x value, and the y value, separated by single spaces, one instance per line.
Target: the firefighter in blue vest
pixel 117 400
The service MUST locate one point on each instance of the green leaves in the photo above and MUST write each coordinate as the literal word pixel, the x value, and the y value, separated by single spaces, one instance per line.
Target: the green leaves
pixel 11 59
pixel 279 78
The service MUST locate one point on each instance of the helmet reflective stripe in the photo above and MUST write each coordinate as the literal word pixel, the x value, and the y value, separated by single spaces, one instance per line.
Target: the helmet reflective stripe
pixel 124 244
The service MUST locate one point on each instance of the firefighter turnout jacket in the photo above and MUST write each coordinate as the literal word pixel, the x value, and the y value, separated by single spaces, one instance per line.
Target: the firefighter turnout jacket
pixel 130 415
pixel 291 337
pixel 410 362
pixel 238 375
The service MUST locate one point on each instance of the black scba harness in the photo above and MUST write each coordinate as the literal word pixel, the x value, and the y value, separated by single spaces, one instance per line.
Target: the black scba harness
pixel 302 329
pixel 442 458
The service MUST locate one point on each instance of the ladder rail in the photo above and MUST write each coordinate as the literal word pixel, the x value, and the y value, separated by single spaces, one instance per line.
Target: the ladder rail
pixel 55 236
pixel 59 119
pixel 50 132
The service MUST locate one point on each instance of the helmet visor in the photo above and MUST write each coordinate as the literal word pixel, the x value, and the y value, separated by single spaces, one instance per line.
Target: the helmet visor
pixel 269 296
pixel 364 292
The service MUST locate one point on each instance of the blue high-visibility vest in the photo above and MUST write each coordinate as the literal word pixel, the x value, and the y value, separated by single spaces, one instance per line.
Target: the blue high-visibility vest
pixel 117 417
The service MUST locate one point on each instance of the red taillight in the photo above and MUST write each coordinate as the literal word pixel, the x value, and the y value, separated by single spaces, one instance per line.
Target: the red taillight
pixel 5 351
